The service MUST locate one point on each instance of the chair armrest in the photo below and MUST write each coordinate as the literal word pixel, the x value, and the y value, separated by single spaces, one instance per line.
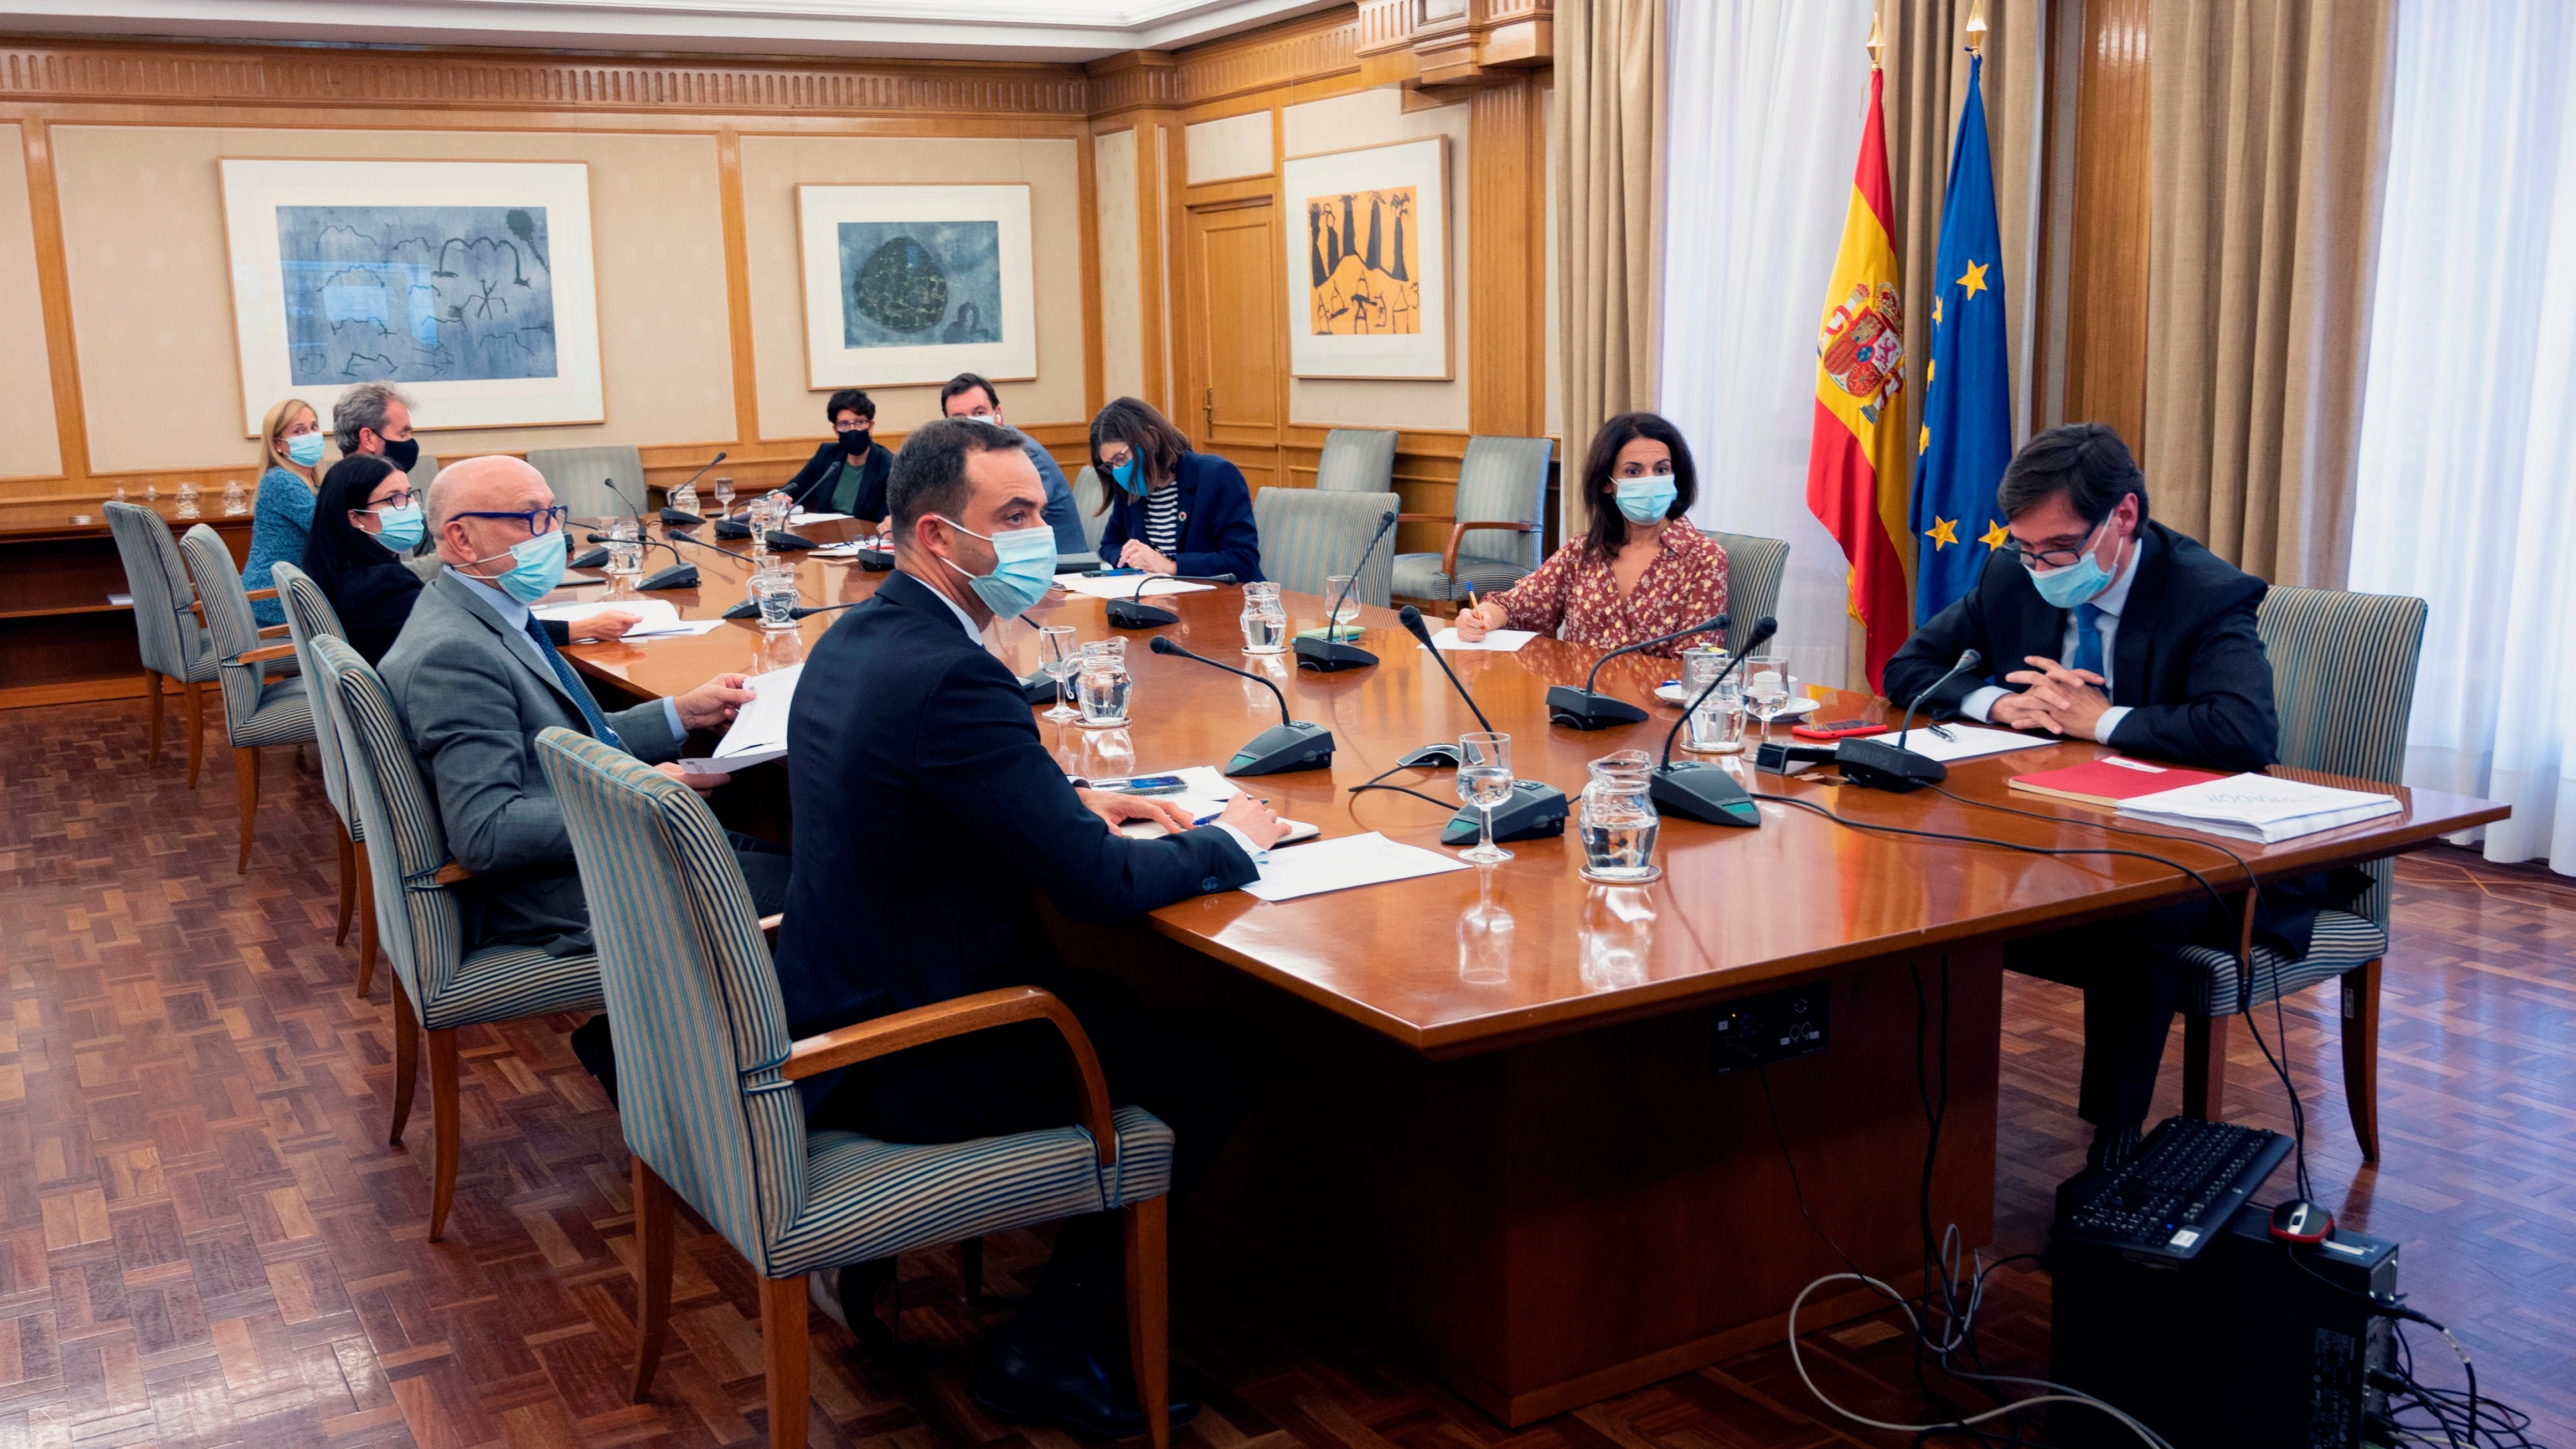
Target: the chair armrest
pixel 769 928
pixel 273 631
pixel 1423 517
pixel 861 1041
pixel 1458 535
pixel 262 656
pixel 256 595
pixel 452 873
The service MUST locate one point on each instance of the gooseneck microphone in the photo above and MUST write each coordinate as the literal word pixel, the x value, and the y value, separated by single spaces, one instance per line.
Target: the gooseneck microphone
pixel 1329 655
pixel 1133 613
pixel 1696 788
pixel 1292 744
pixel 1878 765
pixel 1968 659
pixel 680 575
pixel 673 515
pixel 1534 809
pixel 1412 619
pixel 1584 710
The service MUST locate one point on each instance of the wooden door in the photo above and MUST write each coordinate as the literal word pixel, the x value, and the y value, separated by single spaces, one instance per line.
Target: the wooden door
pixel 1234 394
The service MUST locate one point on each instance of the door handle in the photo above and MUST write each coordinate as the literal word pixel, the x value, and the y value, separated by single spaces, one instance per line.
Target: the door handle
pixel 1209 408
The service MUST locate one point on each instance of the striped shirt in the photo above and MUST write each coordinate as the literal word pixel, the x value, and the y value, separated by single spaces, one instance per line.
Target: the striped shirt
pixel 1163 520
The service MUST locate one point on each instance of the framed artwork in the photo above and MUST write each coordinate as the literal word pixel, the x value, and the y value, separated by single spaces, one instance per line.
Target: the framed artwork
pixel 469 284
pixel 916 284
pixel 1368 262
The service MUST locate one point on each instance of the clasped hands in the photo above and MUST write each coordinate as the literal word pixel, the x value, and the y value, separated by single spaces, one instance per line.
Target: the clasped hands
pixel 2054 698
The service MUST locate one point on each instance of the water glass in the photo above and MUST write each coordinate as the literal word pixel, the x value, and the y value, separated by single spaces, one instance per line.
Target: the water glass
pixel 625 547
pixel 775 591
pixel 1061 658
pixel 1340 598
pixel 1617 820
pixel 1766 689
pixel 685 498
pixel 724 494
pixel 235 502
pixel 1485 781
pixel 1712 729
pixel 1265 619
pixel 119 495
pixel 1104 686
pixel 187 500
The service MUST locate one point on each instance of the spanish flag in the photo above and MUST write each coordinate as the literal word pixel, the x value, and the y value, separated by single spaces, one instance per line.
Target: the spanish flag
pixel 1856 463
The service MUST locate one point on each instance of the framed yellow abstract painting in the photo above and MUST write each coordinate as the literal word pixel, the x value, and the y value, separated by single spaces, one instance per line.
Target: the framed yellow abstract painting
pixel 1368 262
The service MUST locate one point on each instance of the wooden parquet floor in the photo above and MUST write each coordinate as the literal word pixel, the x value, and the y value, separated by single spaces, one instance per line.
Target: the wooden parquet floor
pixel 204 1239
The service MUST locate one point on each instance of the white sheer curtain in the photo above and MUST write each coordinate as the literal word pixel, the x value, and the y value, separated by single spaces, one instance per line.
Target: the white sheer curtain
pixel 2467 487
pixel 1764 125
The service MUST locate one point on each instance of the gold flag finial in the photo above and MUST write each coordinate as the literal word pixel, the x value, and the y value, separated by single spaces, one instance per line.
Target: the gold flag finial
pixel 1977 27
pixel 1877 41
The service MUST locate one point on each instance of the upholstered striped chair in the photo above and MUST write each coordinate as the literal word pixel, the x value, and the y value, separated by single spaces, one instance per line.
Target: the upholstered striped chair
pixel 1308 536
pixel 2343 682
pixel 1754 567
pixel 424 469
pixel 707 1093
pixel 309 616
pixel 264 703
pixel 438 987
pixel 1086 511
pixel 575 473
pixel 1494 535
pixel 1356 460
pixel 173 639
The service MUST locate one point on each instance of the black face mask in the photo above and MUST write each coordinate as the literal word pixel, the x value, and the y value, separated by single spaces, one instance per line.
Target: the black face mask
pixel 855 442
pixel 403 454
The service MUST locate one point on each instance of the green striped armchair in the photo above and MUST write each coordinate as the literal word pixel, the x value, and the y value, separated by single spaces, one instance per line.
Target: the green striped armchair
pixel 309 616
pixel 575 475
pixel 1754 567
pixel 1495 531
pixel 1356 460
pixel 264 703
pixel 174 643
pixel 707 1094
pixel 1307 536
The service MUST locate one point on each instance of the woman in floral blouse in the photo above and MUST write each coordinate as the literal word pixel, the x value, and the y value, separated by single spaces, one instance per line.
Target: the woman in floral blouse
pixel 1641 571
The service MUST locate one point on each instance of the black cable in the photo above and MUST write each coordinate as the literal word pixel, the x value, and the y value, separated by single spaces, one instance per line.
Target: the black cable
pixel 1405 790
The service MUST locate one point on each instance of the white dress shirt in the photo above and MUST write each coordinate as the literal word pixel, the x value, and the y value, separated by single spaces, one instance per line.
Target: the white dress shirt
pixel 2110 601
pixel 515 614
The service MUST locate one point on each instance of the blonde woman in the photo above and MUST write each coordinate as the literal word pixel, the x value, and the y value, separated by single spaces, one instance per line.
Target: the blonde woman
pixel 291 444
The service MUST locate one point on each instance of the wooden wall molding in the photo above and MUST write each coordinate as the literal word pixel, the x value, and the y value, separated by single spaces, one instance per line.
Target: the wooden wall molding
pixel 1453 43
pixel 1137 79
pixel 1298 52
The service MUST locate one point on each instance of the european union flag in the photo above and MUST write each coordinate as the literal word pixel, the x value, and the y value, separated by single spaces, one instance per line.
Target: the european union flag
pixel 1967 395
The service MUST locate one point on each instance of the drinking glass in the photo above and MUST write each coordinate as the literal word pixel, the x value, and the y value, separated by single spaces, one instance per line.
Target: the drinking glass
pixel 152 493
pixel 724 495
pixel 1485 937
pixel 1766 689
pixel 1344 619
pixel 1103 686
pixel 625 547
pixel 762 571
pixel 1265 620
pixel 775 592
pixel 1061 658
pixel 235 503
pixel 187 500
pixel 1485 781
pixel 1711 730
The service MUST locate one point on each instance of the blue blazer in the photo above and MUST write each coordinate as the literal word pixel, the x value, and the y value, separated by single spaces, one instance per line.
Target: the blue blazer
pixel 1217 532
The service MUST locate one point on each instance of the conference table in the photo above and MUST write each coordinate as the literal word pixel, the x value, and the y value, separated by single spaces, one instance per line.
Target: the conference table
pixel 1495 1130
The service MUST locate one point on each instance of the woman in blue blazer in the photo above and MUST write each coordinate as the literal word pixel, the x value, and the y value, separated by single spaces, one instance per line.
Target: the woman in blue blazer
pixel 1170 510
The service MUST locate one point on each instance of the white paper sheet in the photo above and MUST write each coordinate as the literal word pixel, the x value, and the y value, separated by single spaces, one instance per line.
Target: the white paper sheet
pixel 816 518
pixel 1496 641
pixel 759 732
pixel 1123 586
pixel 1966 742
pixel 2267 808
pixel 1336 865
pixel 660 618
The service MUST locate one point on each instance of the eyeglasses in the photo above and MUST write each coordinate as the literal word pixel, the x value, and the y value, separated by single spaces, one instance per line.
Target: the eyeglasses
pixel 404 500
pixel 2047 558
pixel 535 520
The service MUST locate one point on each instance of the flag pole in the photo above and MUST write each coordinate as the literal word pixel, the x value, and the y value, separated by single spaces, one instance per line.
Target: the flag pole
pixel 1877 41
pixel 1977 27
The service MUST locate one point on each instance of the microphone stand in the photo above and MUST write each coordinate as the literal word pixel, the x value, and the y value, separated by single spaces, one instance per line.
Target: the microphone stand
pixel 1132 613
pixel 672 515
pixel 1329 655
pixel 1695 788
pixel 1878 765
pixel 1584 710
pixel 1292 744
pixel 680 575
pixel 1534 809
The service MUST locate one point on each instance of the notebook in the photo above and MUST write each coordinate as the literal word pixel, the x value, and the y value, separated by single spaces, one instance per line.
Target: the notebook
pixel 2265 808
pixel 2110 780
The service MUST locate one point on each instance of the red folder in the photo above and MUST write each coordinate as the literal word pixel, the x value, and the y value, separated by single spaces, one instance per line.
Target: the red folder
pixel 2110 780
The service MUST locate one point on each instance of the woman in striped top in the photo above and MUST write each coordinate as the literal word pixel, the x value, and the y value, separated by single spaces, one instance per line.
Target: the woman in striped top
pixel 1170 510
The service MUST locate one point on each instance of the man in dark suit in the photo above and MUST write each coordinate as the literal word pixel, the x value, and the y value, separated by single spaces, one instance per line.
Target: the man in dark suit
pixel 930 817
pixel 2097 623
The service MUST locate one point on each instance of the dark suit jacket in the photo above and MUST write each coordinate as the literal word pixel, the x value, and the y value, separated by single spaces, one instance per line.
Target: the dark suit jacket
pixel 1217 532
pixel 374 603
pixel 929 818
pixel 2186 659
pixel 812 487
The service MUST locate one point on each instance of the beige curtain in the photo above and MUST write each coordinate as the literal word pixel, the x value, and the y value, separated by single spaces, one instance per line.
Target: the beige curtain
pixel 1609 166
pixel 2270 140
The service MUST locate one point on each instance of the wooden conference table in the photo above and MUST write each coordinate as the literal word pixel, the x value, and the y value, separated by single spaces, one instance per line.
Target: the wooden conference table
pixel 1494 1130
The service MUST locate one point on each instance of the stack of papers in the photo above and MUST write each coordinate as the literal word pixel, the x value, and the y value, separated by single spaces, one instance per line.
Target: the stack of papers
pixel 1123 586
pixel 1204 791
pixel 660 618
pixel 759 732
pixel 2263 808
pixel 1497 641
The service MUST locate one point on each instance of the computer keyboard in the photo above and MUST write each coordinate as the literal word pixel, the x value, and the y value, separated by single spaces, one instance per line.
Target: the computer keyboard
pixel 2188 1178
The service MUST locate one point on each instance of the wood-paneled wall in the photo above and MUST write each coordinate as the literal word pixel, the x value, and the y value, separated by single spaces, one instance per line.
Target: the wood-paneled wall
pixel 2106 334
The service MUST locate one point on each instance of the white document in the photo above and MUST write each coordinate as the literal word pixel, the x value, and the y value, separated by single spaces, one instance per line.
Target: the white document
pixel 1966 742
pixel 1496 641
pixel 659 616
pixel 759 732
pixel 1124 586
pixel 2265 808
pixel 803 517
pixel 1336 865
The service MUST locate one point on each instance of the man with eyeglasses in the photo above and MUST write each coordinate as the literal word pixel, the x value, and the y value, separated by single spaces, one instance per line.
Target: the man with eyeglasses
pixel 475 677
pixel 2098 623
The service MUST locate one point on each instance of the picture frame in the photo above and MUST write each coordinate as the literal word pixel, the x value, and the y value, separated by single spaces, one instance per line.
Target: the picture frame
pixel 1368 265
pixel 915 283
pixel 471 285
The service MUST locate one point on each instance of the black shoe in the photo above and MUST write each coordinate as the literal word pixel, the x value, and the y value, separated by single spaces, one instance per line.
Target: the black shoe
pixel 1075 1391
pixel 2113 1148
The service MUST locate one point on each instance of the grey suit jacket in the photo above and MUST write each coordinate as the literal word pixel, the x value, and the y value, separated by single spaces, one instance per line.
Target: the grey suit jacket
pixel 473 692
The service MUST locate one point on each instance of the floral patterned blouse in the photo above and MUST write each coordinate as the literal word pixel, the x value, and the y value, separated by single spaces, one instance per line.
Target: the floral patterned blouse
pixel 1577 599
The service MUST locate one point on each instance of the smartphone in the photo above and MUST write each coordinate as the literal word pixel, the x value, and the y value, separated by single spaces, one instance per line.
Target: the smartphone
pixel 1841 729
pixel 1147 785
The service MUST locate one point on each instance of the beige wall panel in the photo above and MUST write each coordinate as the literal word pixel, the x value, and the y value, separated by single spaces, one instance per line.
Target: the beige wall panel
pixel 152 301
pixel 774 166
pixel 1235 146
pixel 1122 314
pixel 1378 118
pixel 27 444
pixel 1554 362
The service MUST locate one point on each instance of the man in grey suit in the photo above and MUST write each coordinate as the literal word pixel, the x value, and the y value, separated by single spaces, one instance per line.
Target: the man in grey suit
pixel 474 678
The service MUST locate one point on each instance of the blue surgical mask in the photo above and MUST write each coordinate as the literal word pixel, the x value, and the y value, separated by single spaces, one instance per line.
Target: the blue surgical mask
pixel 304 449
pixel 538 567
pixel 1023 568
pixel 400 529
pixel 1646 500
pixel 1125 475
pixel 2076 583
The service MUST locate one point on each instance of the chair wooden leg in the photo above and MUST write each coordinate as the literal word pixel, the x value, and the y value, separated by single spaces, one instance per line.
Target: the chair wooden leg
pixel 443 1113
pixel 2361 1054
pixel 152 715
pixel 246 774
pixel 406 1060
pixel 366 922
pixel 782 1331
pixel 193 698
pixel 653 1242
pixel 970 1269
pixel 2204 1066
pixel 1149 1334
pixel 348 883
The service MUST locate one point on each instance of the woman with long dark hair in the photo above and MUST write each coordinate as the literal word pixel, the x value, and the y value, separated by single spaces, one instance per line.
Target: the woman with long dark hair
pixel 1640 570
pixel 364 520
pixel 1170 510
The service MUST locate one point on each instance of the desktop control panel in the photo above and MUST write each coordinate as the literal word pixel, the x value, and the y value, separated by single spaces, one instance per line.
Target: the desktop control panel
pixel 1776 1026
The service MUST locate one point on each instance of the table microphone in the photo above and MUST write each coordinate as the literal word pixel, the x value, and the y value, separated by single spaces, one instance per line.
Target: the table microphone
pixel 1878 765
pixel 1695 788
pixel 672 515
pixel 1534 809
pixel 1132 613
pixel 1292 744
pixel 1329 655
pixel 681 575
pixel 1584 710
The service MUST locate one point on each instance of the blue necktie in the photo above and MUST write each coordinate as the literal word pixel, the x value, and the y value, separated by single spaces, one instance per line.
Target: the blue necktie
pixel 580 692
pixel 2088 638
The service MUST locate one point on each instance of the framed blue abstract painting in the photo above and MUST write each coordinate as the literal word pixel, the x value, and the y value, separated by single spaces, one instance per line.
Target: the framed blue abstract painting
pixel 468 283
pixel 915 284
